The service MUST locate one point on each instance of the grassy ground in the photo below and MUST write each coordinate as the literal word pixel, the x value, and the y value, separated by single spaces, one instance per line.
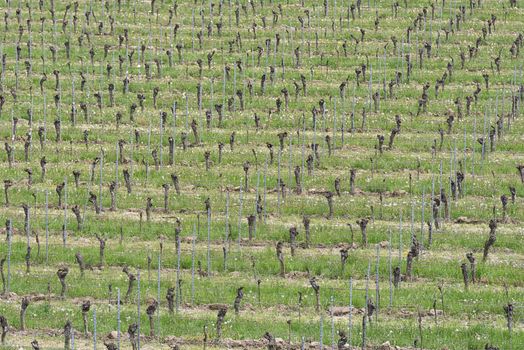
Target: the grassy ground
pixel 407 177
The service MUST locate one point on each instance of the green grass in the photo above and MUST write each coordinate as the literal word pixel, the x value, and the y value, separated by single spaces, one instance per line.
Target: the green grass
pixel 408 176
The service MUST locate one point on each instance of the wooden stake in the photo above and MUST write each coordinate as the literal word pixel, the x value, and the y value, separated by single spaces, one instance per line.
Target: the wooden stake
pixel 178 273
pixel 350 320
pixel 193 265
pixel 9 243
pixel 46 228
pixel 138 308
pixel 208 242
pixel 390 270
pixel 377 290
pixel 240 216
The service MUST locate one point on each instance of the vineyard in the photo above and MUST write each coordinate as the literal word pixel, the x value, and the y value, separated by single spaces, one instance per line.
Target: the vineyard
pixel 262 174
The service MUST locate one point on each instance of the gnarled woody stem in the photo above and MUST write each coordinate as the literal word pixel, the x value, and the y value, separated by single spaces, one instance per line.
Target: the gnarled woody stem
pixel 67 335
pixel 7 185
pixel 166 197
pixel 5 328
pixel 473 266
pixel 245 167
pixel 280 257
pixel 59 189
pixel 491 239
pixel 176 183
pixel 9 151
pixel 102 244
pixel 81 264
pixel 352 175
pixel 43 163
pixel 363 223
pixel 206 158
pixel 86 305
pixel 409 265
pixel 316 288
pixel 28 259
pixel 76 175
pixel 149 206
pixel 329 197
pixel 251 220
pixel 297 180
pixel 508 310
pixel 238 299
pixel 2 262
pixel 62 274
pixel 520 169
pixel 337 186
pixel 127 180
pixel 93 200
pixel 23 308
pixel 306 222
pixel 150 311
pixel 343 258
pixel 293 233
pixel 133 336
pixel 112 192
pixel 465 274
pixel 29 177
pixel 131 279
pixel 396 276
pixel 170 297
pixel 194 128
pixel 220 320
pixel 171 150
